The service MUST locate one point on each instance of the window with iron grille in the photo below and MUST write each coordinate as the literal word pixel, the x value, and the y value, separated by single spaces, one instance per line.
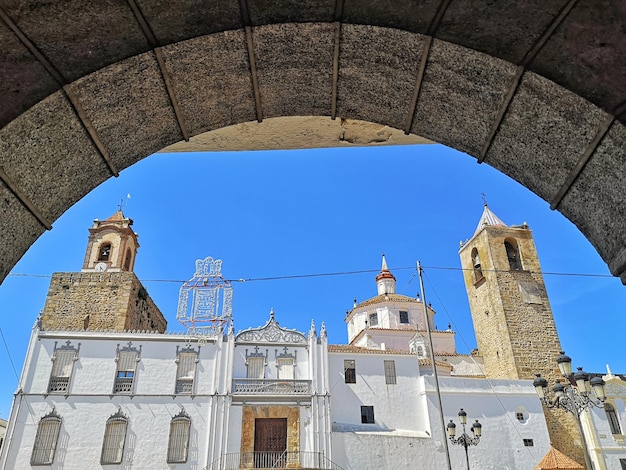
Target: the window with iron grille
pixel 404 316
pixel 390 372
pixel 613 419
pixel 367 414
pixel 114 439
pixel 373 319
pixel 186 370
pixel 349 371
pixel 529 442
pixel 127 359
pixel 46 439
pixel 63 360
pixel 178 445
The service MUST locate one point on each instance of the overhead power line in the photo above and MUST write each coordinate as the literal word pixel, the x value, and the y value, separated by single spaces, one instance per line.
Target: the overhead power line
pixel 337 273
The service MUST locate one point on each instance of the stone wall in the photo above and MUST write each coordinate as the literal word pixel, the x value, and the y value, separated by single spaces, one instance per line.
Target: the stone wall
pixel 251 413
pixel 513 320
pixel 100 301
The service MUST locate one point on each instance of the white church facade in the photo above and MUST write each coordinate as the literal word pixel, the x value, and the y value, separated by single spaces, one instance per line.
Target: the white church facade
pixel 103 385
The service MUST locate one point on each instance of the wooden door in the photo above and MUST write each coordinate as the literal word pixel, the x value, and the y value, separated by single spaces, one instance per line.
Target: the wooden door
pixel 270 442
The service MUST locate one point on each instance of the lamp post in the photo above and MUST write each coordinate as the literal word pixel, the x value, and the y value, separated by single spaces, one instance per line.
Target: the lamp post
pixel 465 439
pixel 575 396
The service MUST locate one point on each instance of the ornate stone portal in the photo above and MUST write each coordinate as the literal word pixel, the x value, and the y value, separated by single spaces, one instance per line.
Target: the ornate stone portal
pixel 252 413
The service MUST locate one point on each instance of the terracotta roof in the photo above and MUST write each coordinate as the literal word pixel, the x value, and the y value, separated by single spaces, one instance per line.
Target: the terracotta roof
pixel 426 362
pixel 115 217
pixel 557 460
pixel 346 348
pixel 387 298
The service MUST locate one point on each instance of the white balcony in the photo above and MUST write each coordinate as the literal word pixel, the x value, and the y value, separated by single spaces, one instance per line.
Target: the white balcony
pixel 271 387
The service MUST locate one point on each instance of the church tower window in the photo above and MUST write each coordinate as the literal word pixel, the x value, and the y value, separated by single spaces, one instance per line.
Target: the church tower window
pixel 128 259
pixel 114 439
pixel 104 253
pixel 46 439
pixel 404 317
pixel 512 254
pixel 476 265
pixel 373 319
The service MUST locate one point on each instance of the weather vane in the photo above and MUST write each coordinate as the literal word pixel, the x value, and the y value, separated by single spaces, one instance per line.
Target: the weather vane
pixel 484 198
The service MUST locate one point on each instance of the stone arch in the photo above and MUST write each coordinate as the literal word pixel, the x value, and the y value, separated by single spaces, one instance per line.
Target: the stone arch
pixel 535 90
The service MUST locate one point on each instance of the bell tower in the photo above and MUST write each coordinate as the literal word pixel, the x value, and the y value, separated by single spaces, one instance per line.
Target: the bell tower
pixel 515 329
pixel 112 245
pixel 105 295
pixel 514 325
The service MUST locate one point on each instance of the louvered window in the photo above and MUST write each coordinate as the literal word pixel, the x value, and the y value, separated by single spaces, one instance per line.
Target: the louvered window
pixel 125 377
pixel 186 372
pixel 178 445
pixel 256 367
pixel 285 368
pixel 390 372
pixel 46 439
pixel 114 439
pixel 62 366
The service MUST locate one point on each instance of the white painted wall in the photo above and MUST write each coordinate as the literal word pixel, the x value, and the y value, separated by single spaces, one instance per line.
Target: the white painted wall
pixel 494 403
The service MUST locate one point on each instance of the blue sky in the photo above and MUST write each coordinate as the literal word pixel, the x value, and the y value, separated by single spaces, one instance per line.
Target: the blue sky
pixel 289 213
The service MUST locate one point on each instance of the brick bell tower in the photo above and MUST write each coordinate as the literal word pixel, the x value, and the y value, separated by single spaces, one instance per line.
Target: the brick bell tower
pixel 112 245
pixel 512 317
pixel 106 294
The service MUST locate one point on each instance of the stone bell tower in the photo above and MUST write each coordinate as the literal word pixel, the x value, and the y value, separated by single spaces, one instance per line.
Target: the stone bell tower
pixel 513 321
pixel 106 294
pixel 515 329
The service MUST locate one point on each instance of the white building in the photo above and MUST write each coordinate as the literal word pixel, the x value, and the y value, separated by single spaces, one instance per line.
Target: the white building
pixel 94 395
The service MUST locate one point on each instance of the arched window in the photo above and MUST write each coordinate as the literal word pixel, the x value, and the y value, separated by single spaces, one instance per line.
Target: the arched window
pixel 611 416
pixel 128 259
pixel 178 445
pixel 46 439
pixel 114 439
pixel 512 254
pixel 478 270
pixel 104 253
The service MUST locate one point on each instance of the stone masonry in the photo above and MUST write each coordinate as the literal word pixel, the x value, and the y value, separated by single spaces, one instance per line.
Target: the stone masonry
pixel 513 320
pixel 100 302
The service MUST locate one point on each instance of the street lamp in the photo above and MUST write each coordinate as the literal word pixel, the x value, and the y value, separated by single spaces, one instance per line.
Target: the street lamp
pixel 465 439
pixel 575 396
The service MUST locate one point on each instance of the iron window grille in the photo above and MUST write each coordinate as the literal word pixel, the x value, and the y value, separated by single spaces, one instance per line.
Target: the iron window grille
pixel 114 439
pixel 178 444
pixel 390 372
pixel 404 316
pixel 46 439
